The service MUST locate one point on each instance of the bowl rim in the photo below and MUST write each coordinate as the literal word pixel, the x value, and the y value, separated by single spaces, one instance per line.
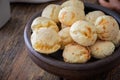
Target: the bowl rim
pixel 87 66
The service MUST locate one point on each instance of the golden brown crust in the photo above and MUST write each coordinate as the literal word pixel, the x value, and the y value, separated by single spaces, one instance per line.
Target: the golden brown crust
pixel 69 15
pixel 45 40
pixel 74 53
pixel 41 22
pixel 102 49
pixel 65 37
pixel 107 27
pixel 83 32
pixel 52 11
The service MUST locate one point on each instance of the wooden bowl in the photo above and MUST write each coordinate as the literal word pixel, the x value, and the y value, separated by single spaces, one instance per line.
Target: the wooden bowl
pixel 54 63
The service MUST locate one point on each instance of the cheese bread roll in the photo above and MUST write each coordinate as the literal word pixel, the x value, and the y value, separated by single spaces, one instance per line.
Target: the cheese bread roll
pixel 45 40
pixel 41 22
pixel 69 15
pixel 52 11
pixel 84 33
pixel 75 3
pixel 92 16
pixel 65 36
pixel 102 49
pixel 74 53
pixel 107 27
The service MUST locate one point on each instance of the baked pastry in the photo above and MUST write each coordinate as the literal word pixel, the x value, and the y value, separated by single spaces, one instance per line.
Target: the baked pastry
pixel 107 27
pixel 116 41
pixel 92 16
pixel 45 40
pixel 65 37
pixel 83 32
pixel 63 26
pixel 75 3
pixel 102 49
pixel 51 11
pixel 74 53
pixel 41 22
pixel 69 15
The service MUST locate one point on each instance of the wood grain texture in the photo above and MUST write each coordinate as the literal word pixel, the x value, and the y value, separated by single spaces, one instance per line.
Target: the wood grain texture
pixel 15 64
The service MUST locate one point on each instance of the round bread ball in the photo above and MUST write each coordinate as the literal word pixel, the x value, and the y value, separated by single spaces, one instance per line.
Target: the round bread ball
pixel 68 15
pixel 84 33
pixel 52 11
pixel 116 41
pixel 65 37
pixel 45 41
pixel 75 3
pixel 74 53
pixel 102 49
pixel 107 27
pixel 41 22
pixel 92 16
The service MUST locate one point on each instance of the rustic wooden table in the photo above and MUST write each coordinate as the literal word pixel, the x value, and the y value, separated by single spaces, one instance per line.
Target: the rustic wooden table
pixel 15 64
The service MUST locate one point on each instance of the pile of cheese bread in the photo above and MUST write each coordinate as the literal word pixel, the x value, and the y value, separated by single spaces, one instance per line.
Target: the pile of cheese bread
pixel 81 36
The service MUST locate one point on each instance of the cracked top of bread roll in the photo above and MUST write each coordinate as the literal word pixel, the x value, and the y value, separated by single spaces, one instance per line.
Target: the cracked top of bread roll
pixel 102 49
pixel 107 27
pixel 41 22
pixel 45 40
pixel 75 3
pixel 83 32
pixel 65 36
pixel 68 15
pixel 52 11
pixel 92 16
pixel 74 53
